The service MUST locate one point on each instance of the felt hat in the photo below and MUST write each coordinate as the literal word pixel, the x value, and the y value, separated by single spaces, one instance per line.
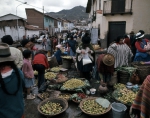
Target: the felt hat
pixel 108 59
pixel 5 54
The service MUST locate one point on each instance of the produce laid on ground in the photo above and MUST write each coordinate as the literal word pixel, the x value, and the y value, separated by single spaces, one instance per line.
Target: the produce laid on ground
pixel 64 96
pixel 66 57
pixel 125 96
pixel 51 108
pixel 73 84
pixel 35 72
pixel 119 86
pixel 55 69
pixel 77 97
pixel 92 107
pixel 61 78
pixel 44 95
pixel 50 75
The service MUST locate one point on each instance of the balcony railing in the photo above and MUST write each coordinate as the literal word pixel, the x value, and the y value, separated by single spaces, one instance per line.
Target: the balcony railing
pixel 117 7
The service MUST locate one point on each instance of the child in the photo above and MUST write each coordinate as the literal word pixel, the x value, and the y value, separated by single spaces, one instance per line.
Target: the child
pixel 28 73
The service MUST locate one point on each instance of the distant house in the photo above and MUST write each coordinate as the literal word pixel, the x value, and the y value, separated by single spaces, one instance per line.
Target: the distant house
pixel 35 17
pixel 8 26
pixel 117 17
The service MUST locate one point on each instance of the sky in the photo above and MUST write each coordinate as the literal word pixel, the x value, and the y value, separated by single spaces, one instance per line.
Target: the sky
pixel 9 6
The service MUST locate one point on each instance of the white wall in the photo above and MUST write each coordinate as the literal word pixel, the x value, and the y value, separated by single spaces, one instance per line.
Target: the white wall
pixel 13 32
pixel 59 26
pixel 31 33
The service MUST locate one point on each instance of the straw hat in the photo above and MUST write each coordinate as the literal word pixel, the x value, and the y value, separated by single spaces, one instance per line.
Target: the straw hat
pixel 5 54
pixel 108 59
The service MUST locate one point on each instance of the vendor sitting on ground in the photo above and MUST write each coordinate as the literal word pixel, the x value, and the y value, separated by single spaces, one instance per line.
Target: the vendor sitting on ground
pixel 58 54
pixel 105 66
pixel 141 104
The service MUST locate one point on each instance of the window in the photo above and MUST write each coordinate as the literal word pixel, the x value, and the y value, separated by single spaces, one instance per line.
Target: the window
pixel 99 30
pixel 118 6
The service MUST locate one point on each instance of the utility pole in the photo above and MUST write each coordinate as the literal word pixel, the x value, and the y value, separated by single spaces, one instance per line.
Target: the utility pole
pixel 43 17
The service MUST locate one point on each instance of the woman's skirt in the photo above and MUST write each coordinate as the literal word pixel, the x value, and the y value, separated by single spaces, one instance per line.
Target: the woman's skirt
pixel 29 82
pixel 84 68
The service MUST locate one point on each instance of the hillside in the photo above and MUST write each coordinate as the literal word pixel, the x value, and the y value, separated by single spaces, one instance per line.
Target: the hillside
pixel 76 13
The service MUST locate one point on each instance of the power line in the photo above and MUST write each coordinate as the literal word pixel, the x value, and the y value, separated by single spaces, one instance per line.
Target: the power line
pixel 32 6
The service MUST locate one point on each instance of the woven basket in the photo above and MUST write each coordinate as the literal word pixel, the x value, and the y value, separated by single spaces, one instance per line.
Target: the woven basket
pixel 61 101
pixel 142 70
pixel 91 98
pixel 123 76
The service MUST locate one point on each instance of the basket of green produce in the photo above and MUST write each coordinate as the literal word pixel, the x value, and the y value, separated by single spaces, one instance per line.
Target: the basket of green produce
pixel 55 69
pixel 50 75
pixel 91 107
pixel 124 96
pixel 52 107
pixel 75 84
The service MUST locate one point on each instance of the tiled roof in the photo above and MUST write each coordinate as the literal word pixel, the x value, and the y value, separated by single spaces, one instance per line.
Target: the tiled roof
pixel 30 27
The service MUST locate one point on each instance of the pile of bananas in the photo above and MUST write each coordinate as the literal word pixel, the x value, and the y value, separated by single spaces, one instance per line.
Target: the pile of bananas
pixel 73 84
pixel 67 57
pixel 55 69
pixel 92 107
pixel 35 72
pixel 64 96
pixel 50 75
pixel 119 86
pixel 51 108
pixel 45 95
pixel 126 96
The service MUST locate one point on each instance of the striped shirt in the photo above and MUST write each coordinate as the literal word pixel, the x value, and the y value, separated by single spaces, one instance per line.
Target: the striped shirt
pixel 122 54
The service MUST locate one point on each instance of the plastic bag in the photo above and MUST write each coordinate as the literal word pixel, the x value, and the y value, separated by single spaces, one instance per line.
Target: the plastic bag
pixel 86 59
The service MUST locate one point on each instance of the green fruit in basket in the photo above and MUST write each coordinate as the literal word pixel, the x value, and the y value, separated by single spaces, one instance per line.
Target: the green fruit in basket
pixel 55 69
pixel 50 75
pixel 92 107
pixel 73 84
pixel 35 72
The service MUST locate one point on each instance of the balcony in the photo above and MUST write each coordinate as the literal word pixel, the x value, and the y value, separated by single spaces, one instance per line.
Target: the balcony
pixel 113 7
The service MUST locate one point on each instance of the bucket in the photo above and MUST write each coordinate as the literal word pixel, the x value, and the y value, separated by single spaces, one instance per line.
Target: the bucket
pixel 118 110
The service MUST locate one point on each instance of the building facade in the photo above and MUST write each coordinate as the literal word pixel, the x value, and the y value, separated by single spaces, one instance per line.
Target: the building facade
pixel 118 17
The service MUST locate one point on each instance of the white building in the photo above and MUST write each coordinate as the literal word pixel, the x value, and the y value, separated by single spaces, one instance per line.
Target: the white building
pixel 8 26
pixel 118 17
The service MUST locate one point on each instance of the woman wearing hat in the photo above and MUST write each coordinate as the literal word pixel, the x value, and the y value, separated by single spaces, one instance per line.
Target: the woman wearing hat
pixel 105 66
pixel 85 57
pixel 11 84
pixel 141 54
pixel 121 52
pixel 58 54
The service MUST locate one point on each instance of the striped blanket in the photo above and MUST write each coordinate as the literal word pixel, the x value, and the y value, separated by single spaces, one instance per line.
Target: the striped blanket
pixel 142 100
pixel 122 54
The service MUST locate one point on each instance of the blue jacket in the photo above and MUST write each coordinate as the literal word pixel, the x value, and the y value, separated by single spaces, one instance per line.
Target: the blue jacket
pixel 58 55
pixel 12 106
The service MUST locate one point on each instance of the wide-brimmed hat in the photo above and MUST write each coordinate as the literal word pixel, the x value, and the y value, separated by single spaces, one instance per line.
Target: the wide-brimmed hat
pixel 5 54
pixel 108 59
pixel 139 35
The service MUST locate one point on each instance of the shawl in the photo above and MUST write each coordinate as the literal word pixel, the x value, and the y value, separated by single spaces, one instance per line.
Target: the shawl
pixel 142 100
pixel 102 68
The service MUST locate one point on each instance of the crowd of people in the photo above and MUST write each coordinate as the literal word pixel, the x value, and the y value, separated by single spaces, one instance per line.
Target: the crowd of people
pixel 17 64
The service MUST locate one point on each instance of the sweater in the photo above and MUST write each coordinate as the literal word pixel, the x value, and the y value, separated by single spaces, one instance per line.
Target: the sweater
pixel 41 59
pixel 27 69
pixel 12 106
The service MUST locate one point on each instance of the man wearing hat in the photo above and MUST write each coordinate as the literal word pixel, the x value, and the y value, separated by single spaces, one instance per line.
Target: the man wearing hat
pixel 105 66
pixel 141 54
pixel 11 85
pixel 14 51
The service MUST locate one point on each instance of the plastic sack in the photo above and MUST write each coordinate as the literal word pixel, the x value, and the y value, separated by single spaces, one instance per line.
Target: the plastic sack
pixel 86 59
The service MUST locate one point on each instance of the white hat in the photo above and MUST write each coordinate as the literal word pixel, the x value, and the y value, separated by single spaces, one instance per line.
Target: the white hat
pixel 139 35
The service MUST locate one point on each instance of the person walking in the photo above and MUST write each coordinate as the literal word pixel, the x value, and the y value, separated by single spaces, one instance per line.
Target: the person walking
pixel 48 46
pixel 11 85
pixel 40 63
pixel 28 73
